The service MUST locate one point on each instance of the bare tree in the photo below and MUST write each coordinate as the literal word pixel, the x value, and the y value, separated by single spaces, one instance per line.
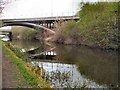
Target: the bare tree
pixel 2 3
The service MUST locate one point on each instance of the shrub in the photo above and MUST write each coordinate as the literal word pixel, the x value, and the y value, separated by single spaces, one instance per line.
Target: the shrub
pixel 98 26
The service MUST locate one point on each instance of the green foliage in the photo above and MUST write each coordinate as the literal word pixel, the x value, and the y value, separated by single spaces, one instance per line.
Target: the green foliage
pixel 98 26
pixel 24 33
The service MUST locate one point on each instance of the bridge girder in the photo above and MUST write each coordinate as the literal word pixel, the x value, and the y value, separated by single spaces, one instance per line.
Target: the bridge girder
pixel 43 19
pixel 36 22
pixel 30 25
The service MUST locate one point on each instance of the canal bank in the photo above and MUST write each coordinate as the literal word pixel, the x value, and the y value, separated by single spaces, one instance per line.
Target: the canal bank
pixel 16 75
pixel 91 66
pixel 10 76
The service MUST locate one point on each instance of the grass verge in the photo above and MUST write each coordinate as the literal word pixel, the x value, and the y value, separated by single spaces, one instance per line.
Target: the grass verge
pixel 29 76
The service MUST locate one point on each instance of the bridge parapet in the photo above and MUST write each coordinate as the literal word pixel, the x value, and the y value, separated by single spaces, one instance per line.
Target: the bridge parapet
pixel 43 19
pixel 44 23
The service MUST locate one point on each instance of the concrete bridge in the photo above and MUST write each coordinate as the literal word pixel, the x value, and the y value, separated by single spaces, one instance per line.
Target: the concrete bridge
pixel 47 22
pixel 30 25
pixel 45 31
pixel 42 19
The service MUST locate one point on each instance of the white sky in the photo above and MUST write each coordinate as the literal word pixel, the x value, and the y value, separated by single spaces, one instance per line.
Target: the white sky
pixel 41 8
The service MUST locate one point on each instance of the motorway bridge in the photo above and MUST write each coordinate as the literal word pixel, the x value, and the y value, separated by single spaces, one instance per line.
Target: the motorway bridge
pixel 44 21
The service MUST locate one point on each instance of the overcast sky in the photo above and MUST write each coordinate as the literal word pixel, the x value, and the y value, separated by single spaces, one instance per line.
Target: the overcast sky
pixel 41 8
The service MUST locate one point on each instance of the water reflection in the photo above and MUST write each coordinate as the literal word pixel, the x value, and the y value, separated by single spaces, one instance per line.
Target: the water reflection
pixel 100 66
pixel 88 67
pixel 63 75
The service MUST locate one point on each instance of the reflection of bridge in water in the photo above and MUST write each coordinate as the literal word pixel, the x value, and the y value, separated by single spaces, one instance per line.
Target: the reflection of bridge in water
pixel 49 54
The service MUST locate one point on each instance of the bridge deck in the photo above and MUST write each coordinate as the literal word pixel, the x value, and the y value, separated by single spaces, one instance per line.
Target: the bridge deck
pixel 43 19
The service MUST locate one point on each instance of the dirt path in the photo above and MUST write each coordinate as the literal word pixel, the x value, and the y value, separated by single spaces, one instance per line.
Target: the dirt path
pixel 8 73
pixel 11 76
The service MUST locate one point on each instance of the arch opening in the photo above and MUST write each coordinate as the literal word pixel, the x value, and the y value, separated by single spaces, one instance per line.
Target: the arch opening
pixel 29 25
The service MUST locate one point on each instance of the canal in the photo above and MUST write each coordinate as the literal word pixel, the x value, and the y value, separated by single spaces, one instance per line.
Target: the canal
pixel 72 66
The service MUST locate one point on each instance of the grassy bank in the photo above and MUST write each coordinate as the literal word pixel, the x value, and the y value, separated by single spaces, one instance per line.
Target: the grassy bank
pixel 24 33
pixel 29 76
pixel 97 27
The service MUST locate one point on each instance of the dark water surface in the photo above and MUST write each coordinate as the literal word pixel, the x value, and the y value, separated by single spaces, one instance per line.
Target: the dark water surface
pixel 75 66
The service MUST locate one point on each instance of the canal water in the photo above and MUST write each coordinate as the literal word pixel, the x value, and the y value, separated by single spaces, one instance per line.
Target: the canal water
pixel 72 66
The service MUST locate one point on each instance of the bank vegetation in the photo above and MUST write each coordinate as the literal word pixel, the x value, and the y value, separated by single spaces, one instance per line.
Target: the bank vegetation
pixel 97 27
pixel 14 56
pixel 24 33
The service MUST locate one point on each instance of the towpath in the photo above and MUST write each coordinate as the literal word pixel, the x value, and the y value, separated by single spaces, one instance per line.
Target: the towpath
pixel 10 76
